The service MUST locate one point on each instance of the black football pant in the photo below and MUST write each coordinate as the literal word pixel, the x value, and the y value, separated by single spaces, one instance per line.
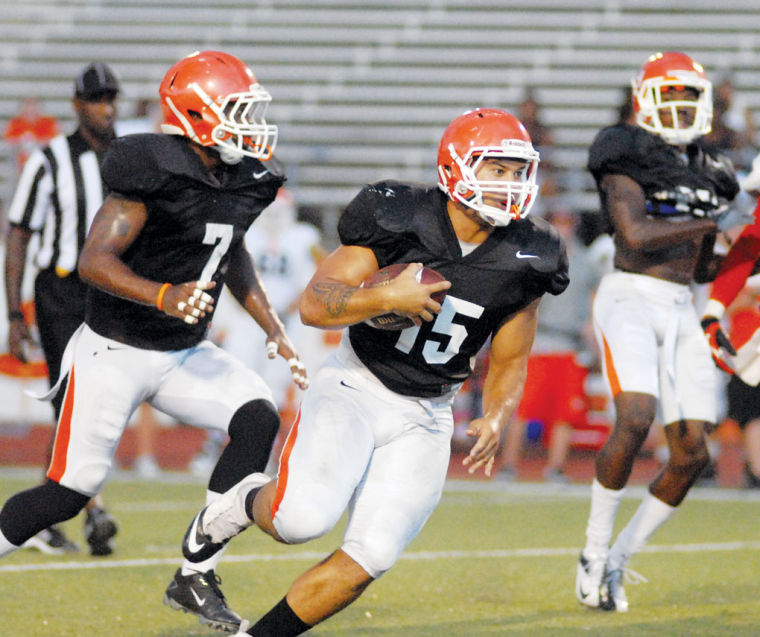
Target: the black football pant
pixel 59 307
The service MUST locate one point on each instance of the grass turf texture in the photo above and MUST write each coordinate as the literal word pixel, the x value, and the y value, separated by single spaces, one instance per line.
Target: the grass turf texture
pixel 493 560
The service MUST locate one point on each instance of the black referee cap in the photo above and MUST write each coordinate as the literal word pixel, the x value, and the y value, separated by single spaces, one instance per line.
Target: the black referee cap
pixel 95 80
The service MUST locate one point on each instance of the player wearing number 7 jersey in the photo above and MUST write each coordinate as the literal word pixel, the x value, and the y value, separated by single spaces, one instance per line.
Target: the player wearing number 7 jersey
pixel 374 430
pixel 160 248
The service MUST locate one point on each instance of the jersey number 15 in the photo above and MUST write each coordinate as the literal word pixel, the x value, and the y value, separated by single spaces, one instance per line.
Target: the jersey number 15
pixel 445 326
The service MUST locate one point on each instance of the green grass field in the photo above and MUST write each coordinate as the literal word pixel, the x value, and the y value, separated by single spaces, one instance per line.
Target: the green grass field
pixel 493 560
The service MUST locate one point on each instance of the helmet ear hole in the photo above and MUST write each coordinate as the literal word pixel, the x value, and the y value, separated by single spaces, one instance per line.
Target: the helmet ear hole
pixel 195 115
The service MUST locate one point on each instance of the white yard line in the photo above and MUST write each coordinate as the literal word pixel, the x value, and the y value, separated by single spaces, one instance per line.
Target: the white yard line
pixel 411 556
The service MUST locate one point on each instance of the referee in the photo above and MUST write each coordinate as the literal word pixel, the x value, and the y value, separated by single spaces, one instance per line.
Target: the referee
pixel 58 194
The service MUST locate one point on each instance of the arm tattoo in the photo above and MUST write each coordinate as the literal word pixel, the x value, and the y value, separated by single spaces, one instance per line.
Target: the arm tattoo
pixel 334 296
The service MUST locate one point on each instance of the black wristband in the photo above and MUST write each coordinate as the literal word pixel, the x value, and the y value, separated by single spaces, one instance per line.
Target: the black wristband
pixel 707 321
pixel 16 315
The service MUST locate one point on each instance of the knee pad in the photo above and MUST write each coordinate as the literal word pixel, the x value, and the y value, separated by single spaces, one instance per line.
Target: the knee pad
pixel 29 512
pixel 307 514
pixel 309 523
pixel 252 431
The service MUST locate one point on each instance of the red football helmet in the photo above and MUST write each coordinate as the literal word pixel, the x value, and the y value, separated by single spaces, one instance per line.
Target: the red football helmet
pixel 481 134
pixel 667 71
pixel 214 99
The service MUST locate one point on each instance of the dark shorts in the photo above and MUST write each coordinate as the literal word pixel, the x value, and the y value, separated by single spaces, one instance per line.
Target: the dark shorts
pixel 743 401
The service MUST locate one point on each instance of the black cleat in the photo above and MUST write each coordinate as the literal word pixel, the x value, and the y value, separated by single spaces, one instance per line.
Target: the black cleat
pixel 99 529
pixel 200 595
pixel 196 545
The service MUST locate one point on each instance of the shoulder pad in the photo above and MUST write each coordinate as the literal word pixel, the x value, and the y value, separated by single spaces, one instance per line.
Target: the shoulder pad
pixel 626 150
pixel 380 211
pixel 138 164
pixel 550 270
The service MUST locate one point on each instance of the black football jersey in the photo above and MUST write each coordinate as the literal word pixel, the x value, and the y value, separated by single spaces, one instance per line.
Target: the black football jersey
pixel 195 219
pixel 695 185
pixel 405 223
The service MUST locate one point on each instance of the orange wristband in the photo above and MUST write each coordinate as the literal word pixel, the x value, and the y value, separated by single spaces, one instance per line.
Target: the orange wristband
pixel 160 298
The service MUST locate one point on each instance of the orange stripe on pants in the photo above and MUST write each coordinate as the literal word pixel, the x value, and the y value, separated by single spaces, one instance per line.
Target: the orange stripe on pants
pixel 58 462
pixel 282 475
pixel 609 367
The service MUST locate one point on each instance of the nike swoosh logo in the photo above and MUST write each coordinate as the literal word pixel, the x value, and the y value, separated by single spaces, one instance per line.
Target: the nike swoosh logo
pixel 349 386
pixel 198 599
pixel 584 595
pixel 520 255
pixel 109 347
pixel 191 543
pixel 261 174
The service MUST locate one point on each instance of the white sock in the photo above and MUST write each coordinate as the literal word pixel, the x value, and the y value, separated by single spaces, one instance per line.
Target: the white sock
pixel 650 516
pixel 188 568
pixel 6 546
pixel 604 506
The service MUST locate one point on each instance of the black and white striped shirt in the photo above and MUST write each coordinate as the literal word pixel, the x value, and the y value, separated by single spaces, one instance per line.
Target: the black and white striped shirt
pixel 58 194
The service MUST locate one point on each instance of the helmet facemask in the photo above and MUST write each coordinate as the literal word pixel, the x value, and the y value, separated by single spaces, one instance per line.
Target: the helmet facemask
pixel 650 95
pixel 518 196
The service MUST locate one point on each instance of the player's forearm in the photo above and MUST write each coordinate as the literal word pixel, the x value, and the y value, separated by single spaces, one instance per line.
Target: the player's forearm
pixel 658 234
pixel 502 393
pixel 331 304
pixel 110 274
pixel 258 306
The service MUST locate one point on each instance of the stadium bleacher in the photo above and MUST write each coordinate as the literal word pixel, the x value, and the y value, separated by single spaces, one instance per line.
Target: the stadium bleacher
pixel 362 90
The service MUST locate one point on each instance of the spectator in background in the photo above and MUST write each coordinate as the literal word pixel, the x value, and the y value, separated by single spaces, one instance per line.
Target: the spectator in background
pixel 733 130
pixel 29 130
pixel 146 119
pixel 529 113
pixel 58 194
pixel 625 112
pixel 738 113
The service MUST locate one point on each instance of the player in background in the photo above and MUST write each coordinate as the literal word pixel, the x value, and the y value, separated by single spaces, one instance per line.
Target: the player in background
pixel 164 242
pixel 666 199
pixel 374 431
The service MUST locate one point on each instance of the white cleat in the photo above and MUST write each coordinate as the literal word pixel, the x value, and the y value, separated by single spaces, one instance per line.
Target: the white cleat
pixel 590 585
pixel 244 626
pixel 227 516
pixel 618 600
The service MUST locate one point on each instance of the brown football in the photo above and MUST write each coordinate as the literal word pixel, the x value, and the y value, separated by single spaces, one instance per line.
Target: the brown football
pixel 384 276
